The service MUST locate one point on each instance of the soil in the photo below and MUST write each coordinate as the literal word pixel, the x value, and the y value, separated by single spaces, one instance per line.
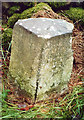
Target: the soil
pixel 78 54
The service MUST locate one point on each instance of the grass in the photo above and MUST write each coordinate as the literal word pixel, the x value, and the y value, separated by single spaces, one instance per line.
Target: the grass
pixel 71 106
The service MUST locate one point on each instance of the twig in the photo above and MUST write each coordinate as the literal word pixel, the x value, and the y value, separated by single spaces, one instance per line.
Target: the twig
pixel 80 71
pixel 78 21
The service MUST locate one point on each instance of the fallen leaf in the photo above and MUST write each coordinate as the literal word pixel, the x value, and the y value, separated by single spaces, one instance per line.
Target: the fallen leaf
pixel 26 108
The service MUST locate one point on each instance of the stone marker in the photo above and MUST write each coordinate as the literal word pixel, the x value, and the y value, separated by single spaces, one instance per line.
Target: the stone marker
pixel 41 56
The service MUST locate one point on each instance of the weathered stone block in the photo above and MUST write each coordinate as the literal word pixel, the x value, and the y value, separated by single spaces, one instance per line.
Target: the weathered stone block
pixel 41 56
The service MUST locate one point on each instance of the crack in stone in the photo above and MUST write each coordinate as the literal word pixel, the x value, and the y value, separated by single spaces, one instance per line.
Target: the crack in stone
pixel 38 74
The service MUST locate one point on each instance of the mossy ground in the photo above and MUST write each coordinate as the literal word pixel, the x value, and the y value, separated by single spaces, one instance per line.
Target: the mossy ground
pixel 27 13
pixel 6 38
pixel 75 14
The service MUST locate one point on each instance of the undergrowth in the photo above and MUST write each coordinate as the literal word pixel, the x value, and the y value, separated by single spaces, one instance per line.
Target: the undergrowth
pixel 70 107
pixel 74 14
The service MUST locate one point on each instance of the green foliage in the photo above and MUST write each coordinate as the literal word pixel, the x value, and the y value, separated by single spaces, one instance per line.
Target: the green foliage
pixel 4 93
pixel 28 4
pixel 75 14
pixel 26 13
pixel 7 112
pixel 3 97
pixel 29 12
pixel 13 10
pixel 24 5
pixel 6 38
pixel 13 19
pixel 4 26
pixel 70 107
pixel 56 5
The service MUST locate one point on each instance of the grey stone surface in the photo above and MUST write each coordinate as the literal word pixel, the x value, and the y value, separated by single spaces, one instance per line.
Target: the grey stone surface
pixel 45 27
pixel 41 56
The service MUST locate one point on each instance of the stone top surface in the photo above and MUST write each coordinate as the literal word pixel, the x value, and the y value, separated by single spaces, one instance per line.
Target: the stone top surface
pixel 46 27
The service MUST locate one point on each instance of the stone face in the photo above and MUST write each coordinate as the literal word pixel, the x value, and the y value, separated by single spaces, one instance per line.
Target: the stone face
pixel 45 27
pixel 41 56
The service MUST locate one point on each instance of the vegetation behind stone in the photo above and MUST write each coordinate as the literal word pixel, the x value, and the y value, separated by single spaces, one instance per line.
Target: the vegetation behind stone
pixel 57 5
pixel 15 12
pixel 14 18
pixel 75 14
pixel 6 38
pixel 26 13
pixel 29 12
pixel 14 9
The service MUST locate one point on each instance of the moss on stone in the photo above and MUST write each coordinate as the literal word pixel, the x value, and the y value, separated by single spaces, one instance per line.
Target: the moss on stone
pixel 13 19
pixel 29 12
pixel 56 5
pixel 13 10
pixel 18 86
pixel 6 37
pixel 28 4
pixel 75 14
